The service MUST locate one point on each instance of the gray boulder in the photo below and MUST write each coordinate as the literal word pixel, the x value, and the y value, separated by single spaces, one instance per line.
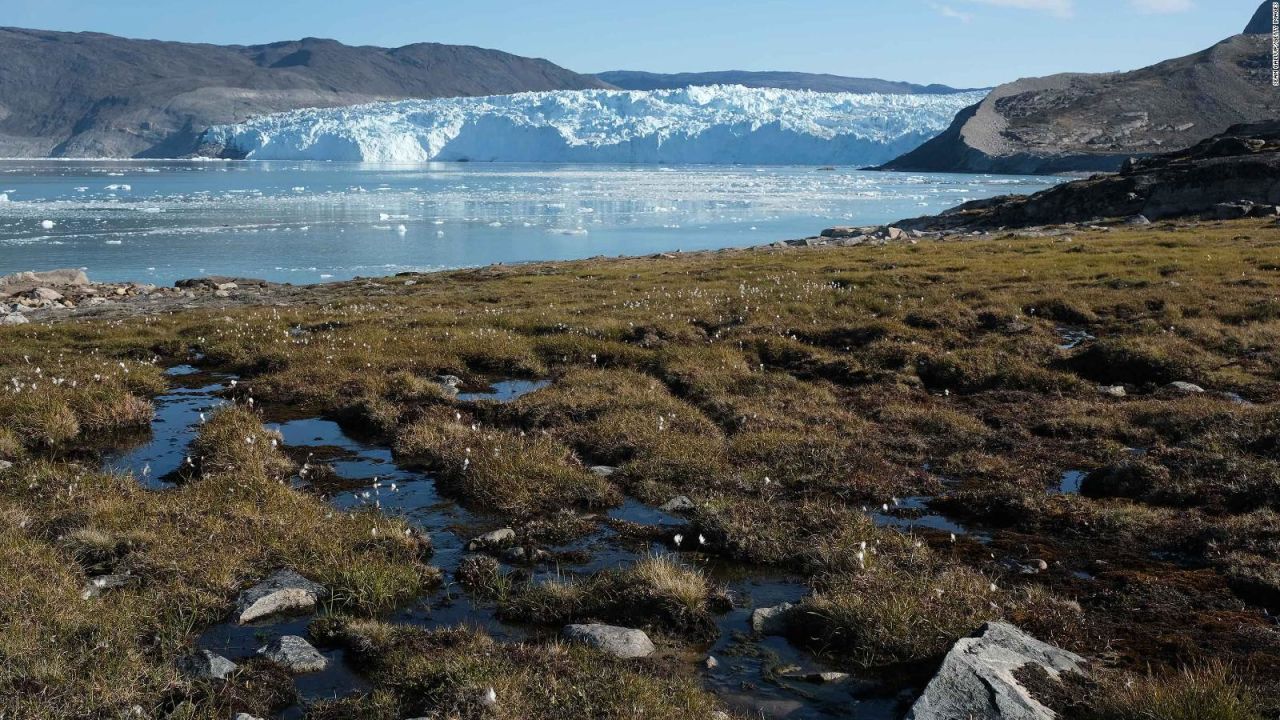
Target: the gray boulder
pixel 283 591
pixel 679 503
pixel 976 678
pixel 771 620
pixel 617 641
pixel 294 653
pixel 244 716
pixel 204 665
pixel 13 319
pixel 494 539
pixel 1184 388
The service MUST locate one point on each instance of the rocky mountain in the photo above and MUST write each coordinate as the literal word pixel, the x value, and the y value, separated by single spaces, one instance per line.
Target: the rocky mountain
pixel 95 95
pixel 638 80
pixel 1231 175
pixel 1094 122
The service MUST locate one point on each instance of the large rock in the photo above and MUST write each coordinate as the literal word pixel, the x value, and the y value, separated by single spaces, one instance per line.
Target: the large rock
pixel 283 591
pixel 13 319
pixel 294 653
pixel 617 641
pixel 976 680
pixel 204 665
pixel 771 620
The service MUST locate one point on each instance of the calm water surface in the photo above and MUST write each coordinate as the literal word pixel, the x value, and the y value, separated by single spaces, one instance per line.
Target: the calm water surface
pixel 311 222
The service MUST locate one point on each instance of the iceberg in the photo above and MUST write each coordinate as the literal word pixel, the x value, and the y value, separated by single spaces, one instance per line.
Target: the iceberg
pixel 722 124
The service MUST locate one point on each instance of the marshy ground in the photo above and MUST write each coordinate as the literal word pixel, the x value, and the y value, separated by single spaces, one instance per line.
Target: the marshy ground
pixel 905 440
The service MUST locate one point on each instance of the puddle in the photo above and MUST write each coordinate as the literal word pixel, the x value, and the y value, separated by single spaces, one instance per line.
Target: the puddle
pixel 758 677
pixel 912 515
pixel 1073 337
pixel 504 391
pixel 1069 483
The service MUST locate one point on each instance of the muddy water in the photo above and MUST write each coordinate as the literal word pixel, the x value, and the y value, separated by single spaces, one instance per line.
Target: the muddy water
pixel 761 677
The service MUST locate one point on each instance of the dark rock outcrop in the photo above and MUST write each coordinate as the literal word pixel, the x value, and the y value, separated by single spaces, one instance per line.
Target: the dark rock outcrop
pixel 1235 174
pixel 1093 122
pixel 639 80
pixel 1261 22
pixel 90 94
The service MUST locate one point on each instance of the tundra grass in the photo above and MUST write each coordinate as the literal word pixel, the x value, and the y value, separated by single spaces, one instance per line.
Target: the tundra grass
pixel 790 394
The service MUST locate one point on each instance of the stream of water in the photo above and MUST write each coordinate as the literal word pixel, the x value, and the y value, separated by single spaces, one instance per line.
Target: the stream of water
pixel 761 676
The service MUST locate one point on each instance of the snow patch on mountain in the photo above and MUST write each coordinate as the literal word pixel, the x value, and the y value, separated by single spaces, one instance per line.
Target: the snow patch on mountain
pixel 720 124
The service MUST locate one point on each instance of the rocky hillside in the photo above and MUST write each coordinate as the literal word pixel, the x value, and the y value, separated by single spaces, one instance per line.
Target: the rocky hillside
pixel 1091 122
pixel 1233 175
pixel 637 80
pixel 95 95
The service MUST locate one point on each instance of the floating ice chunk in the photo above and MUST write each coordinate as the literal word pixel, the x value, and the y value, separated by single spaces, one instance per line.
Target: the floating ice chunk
pixel 122 187
pixel 401 229
pixel 46 224
pixel 4 197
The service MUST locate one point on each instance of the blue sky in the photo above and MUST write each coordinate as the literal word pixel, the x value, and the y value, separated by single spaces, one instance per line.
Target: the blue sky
pixel 965 43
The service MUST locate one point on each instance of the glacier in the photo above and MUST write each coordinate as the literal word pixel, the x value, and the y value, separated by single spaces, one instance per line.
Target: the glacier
pixel 723 124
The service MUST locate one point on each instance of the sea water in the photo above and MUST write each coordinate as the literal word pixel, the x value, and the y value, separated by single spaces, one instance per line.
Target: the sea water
pixel 307 222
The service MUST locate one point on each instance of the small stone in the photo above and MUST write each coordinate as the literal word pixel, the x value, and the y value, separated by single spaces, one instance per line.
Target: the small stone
pixel 617 641
pixel 771 620
pixel 203 664
pixel 244 716
pixel 679 503
pixel 294 653
pixel 13 319
pixel 5 465
pixel 826 677
pixel 100 584
pixel 1116 391
pixel 449 383
pixel 1137 220
pixel 514 555
pixel 225 286
pixel 283 591
pixel 603 471
pixel 221 293
pixel 711 663
pixel 493 539
pixel 894 233
pixel 1184 388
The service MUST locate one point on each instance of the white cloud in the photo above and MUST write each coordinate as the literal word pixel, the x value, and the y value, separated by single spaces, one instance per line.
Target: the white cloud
pixel 1161 6
pixel 1061 8
pixel 950 12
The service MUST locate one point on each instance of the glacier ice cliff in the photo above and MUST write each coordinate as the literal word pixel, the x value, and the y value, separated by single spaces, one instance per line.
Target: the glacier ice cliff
pixel 722 124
